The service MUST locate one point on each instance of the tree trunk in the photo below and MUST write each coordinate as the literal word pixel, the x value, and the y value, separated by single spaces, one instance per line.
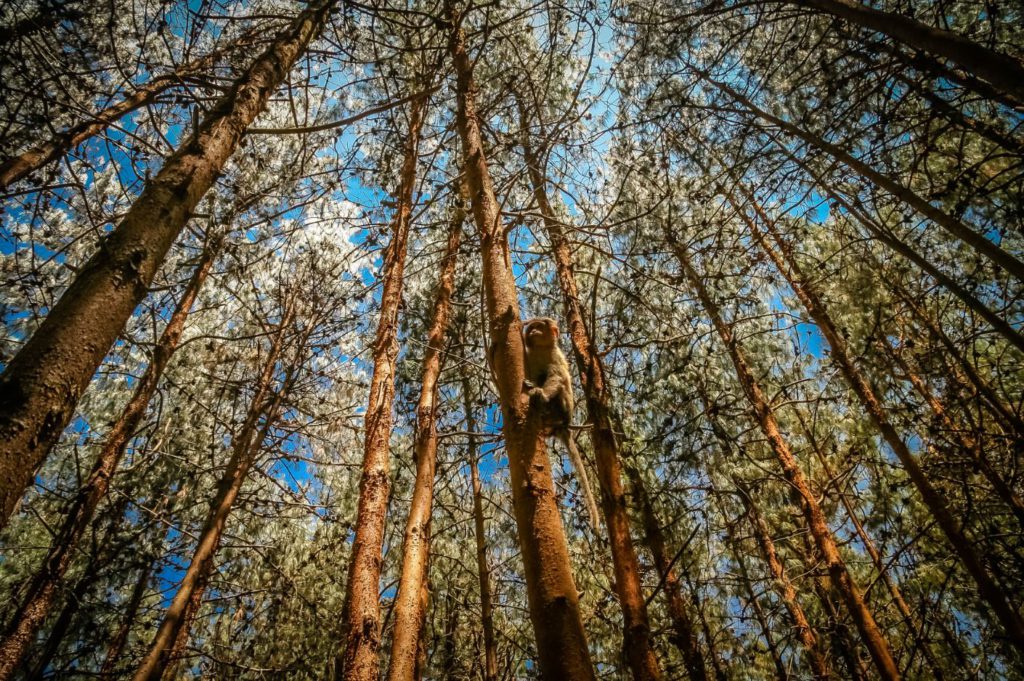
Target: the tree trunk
pixel 788 267
pixel 490 668
pixel 628 587
pixel 1000 70
pixel 871 634
pixel 361 623
pixel 947 222
pixel 876 557
pixel 172 635
pixel 45 585
pixel 117 642
pixel 684 634
pixel 784 587
pixel 551 590
pixel 21 165
pixel 41 386
pixel 411 601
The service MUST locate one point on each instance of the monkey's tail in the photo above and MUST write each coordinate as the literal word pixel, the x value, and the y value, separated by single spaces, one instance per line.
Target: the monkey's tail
pixel 581 476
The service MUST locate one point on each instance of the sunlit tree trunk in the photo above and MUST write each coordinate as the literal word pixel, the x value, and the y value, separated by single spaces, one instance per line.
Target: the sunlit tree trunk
pixel 42 384
pixel 490 668
pixel 870 632
pixel 840 355
pixel 684 634
pixel 45 585
pixel 869 545
pixel 551 590
pixel 411 601
pixel 172 635
pixel 628 587
pixel 361 623
pixel 1002 71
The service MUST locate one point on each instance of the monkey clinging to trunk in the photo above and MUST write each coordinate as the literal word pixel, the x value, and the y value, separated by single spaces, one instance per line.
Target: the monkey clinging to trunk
pixel 550 390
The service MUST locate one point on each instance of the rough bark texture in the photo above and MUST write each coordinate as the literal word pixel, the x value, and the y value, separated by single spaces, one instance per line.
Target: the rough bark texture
pixel 490 668
pixel 871 634
pixel 841 357
pixel 636 626
pixel 947 222
pixel 684 634
pixel 41 386
pixel 45 585
pixel 551 590
pixel 171 637
pixel 411 601
pixel 361 622
pixel 1002 71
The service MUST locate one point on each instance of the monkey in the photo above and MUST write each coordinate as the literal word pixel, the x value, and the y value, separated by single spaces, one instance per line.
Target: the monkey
pixel 549 386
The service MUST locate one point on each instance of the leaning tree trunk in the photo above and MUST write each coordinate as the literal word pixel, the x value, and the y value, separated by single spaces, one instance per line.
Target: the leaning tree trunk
pixel 172 634
pixel 944 220
pixel 411 600
pixel 787 266
pixel 1000 70
pixel 361 624
pixel 870 632
pixel 628 588
pixel 45 585
pixel 684 634
pixel 115 648
pixel 21 165
pixel 41 386
pixel 551 590
pixel 490 669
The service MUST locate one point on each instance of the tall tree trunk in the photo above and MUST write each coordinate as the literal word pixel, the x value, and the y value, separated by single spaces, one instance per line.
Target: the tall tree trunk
pixel 411 601
pixel 172 635
pixel 117 642
pixel 947 222
pixel 53 148
pixel 781 673
pixel 869 545
pixel 361 623
pixel 790 269
pixel 490 668
pixel 966 442
pixel 551 590
pixel 870 632
pixel 684 634
pixel 41 386
pixel 787 592
pixel 628 587
pixel 1000 70
pixel 45 585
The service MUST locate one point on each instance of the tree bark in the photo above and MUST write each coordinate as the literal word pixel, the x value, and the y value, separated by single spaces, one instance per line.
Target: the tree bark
pixel 684 634
pixel 551 590
pixel 490 669
pixel 947 222
pixel 41 386
pixel 1011 621
pixel 361 623
pixel 172 636
pixel 869 630
pixel 411 601
pixel 628 587
pixel 1000 70
pixel 45 585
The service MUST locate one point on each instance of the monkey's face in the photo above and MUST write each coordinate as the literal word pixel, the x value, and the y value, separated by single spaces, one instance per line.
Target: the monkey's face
pixel 540 332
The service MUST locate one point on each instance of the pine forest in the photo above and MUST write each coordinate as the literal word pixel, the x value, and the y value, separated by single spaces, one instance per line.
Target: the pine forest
pixel 491 340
